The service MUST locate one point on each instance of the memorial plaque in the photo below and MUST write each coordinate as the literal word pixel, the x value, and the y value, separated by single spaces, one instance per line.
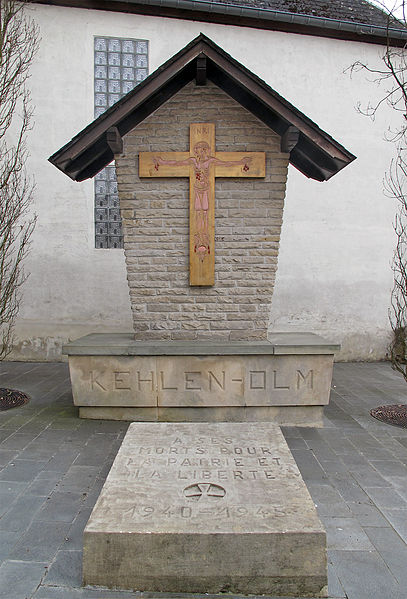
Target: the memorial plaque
pixel 206 508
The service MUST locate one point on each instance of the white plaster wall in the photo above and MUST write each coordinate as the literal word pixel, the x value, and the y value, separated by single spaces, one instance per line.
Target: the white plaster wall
pixel 334 272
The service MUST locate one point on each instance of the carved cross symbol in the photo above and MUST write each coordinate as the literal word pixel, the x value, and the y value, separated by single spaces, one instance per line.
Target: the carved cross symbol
pixel 204 490
pixel 202 164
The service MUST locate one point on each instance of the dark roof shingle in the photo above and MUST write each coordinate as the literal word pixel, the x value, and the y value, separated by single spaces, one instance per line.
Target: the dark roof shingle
pixel 355 11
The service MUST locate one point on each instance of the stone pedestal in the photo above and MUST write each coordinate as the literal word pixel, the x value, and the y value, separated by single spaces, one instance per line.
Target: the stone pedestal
pixel 206 508
pixel 285 380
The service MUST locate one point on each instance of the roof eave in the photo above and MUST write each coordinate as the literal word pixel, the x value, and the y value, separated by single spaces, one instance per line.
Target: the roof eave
pixel 244 16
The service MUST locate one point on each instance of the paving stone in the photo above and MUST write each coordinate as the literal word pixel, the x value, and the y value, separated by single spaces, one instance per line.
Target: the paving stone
pixel 392 549
pixel 60 507
pixel 44 486
pixel 54 436
pixel 14 487
pixel 333 466
pixel 21 512
pixel 398 519
pixel 4 433
pixel 346 534
pixel 377 453
pixel 40 541
pixel 367 515
pixel 309 466
pixel 291 432
pixel 20 579
pixel 392 444
pixel 65 570
pixel 18 441
pixel 62 460
pixel 321 449
pixel 63 424
pixel 369 477
pixel 348 488
pixel 20 470
pixel 78 479
pixel 296 443
pixel 335 589
pixel 6 456
pixel 7 542
pixel 386 497
pixel 362 440
pixel 94 455
pixel 327 500
pixel 78 437
pixel 5 500
pixel 338 443
pixel 74 536
pixel 364 575
pixel 388 468
pixel 355 461
pixel 39 451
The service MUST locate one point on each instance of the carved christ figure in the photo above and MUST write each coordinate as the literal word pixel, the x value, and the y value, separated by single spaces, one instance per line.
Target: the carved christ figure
pixel 201 162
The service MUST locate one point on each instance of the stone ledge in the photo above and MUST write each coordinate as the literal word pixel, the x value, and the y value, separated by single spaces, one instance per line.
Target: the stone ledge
pixel 280 415
pixel 123 344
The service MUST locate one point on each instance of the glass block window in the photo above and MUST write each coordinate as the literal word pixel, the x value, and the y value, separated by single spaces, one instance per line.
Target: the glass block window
pixel 120 64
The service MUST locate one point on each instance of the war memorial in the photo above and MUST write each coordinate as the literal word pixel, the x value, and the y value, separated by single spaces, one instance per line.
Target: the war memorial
pixel 204 495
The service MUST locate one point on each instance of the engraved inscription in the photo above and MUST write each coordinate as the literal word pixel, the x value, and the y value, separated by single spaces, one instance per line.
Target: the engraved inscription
pixel 121 380
pixel 198 509
pixel 257 379
pixel 206 477
pixel 149 381
pixel 215 382
pixel 166 386
pixel 276 386
pixel 191 381
pixel 95 382
pixel 211 459
pixel 213 379
pixel 305 379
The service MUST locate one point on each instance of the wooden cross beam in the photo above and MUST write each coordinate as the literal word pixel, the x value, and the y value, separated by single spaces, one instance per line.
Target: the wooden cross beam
pixel 202 164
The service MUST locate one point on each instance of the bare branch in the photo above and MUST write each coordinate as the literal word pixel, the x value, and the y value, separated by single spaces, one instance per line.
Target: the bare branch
pixel 18 44
pixel 391 77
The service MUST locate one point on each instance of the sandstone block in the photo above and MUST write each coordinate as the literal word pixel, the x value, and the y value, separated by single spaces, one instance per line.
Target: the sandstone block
pixel 206 508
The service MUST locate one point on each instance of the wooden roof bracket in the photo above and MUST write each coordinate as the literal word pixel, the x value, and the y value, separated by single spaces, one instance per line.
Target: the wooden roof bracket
pixel 114 140
pixel 289 139
pixel 200 77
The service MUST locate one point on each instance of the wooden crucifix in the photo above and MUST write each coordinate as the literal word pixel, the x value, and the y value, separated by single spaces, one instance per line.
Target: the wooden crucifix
pixel 202 164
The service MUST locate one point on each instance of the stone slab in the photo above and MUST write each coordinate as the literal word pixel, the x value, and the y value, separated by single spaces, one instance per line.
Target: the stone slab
pixel 206 508
pixel 193 381
pixel 124 344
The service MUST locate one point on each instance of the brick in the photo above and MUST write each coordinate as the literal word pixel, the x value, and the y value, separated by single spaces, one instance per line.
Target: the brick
pixel 155 217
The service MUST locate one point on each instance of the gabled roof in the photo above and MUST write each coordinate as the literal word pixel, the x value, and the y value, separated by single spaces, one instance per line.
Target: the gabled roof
pixel 356 20
pixel 312 151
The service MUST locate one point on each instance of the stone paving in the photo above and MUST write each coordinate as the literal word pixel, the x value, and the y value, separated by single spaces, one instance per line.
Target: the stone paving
pixel 53 465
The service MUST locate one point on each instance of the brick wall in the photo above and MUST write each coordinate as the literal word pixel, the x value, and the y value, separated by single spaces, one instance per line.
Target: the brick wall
pixel 247 228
